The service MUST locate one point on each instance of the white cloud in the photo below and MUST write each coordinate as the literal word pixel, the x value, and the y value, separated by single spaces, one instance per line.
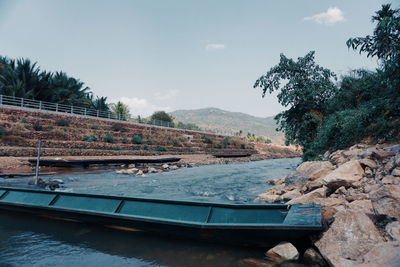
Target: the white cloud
pixel 331 16
pixel 166 95
pixel 140 106
pixel 215 47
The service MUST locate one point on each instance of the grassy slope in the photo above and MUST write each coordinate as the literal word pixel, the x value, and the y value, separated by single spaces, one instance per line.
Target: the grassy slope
pixel 217 119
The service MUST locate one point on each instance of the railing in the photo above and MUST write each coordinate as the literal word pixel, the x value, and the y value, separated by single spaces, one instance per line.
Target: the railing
pixel 54 107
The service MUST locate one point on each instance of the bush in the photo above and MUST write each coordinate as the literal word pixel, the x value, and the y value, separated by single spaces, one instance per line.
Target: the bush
pixel 108 138
pixel 176 142
pixel 62 122
pixel 125 141
pixel 90 138
pixel 217 145
pixel 145 147
pixel 37 126
pixel 137 139
pixel 243 146
pixel 3 131
pixel 160 148
pixel 226 142
pixel 206 139
pixel 118 128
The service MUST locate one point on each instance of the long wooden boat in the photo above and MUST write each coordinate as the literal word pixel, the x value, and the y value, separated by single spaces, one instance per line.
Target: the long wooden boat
pixel 244 224
pixel 231 155
pixel 87 162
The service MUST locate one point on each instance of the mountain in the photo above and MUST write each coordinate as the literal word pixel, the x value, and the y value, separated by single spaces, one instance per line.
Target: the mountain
pixel 230 122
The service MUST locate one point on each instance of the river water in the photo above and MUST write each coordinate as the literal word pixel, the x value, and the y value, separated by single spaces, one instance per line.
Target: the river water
pixel 32 241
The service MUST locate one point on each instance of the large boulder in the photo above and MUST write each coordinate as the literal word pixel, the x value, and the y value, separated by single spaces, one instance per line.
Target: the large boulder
pixel 314 170
pixel 350 236
pixel 386 200
pixel 346 175
pixel 364 206
pixel 393 230
pixel 310 197
pixel 282 252
pixel 383 255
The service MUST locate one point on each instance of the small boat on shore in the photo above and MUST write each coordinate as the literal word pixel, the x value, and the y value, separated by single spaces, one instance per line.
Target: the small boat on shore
pixel 87 162
pixel 231 155
pixel 244 224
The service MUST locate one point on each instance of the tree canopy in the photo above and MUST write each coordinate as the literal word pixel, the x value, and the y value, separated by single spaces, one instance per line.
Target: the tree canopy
pixel 161 116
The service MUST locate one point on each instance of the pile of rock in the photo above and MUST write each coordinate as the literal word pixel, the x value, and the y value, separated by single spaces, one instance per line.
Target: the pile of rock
pixel 142 170
pixel 359 191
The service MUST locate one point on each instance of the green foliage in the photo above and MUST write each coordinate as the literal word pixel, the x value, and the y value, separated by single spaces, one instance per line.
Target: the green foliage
pixel 243 146
pixel 176 142
pixel 145 147
pixel 217 145
pixel 365 104
pixel 120 110
pixel 188 126
pixel 206 139
pixel 37 126
pixel 160 149
pixel 108 138
pixel 137 139
pixel 226 142
pixel 125 141
pixel 3 131
pixel 118 128
pixel 161 116
pixel 62 122
pixel 90 138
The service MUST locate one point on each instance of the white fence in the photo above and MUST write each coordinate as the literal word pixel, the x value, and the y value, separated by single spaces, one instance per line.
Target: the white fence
pixel 88 112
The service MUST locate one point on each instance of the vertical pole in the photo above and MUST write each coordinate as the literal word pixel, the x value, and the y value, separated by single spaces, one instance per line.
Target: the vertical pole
pixel 56 107
pixel 85 111
pixel 1 100
pixel 97 113
pixel 72 109
pixel 39 147
pixel 40 104
pixel 22 102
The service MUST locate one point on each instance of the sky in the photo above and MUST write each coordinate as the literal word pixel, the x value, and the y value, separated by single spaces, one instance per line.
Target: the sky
pixel 183 54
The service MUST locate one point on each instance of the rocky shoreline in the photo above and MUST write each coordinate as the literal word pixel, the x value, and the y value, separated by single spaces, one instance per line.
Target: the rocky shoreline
pixel 359 191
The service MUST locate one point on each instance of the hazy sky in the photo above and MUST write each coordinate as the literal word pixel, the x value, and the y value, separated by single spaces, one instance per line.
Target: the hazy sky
pixel 182 54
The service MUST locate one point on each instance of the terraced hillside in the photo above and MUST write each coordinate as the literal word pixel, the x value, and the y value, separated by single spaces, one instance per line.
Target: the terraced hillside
pixel 64 135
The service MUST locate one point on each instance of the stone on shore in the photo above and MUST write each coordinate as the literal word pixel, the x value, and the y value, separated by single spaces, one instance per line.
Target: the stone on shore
pixel 314 170
pixel 350 236
pixel 312 257
pixel 346 175
pixel 383 255
pixel 290 195
pixel 386 201
pixel 282 252
pixel 393 230
pixel 165 166
pixel 309 197
pixel 268 197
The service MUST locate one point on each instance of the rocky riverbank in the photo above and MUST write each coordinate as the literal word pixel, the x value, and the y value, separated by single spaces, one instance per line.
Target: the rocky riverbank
pixel 359 191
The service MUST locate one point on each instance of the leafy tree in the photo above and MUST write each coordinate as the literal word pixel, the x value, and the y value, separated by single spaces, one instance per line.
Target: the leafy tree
pixel 100 103
pixel 120 110
pixel 161 116
pixel 304 88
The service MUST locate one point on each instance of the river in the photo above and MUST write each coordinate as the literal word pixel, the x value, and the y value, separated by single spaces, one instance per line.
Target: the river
pixel 28 241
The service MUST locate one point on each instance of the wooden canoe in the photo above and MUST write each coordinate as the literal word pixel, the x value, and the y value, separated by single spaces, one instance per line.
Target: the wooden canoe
pixel 244 224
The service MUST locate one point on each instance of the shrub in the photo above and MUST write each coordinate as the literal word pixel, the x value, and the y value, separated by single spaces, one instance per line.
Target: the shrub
pixel 145 147
pixel 118 128
pixel 118 148
pixel 226 142
pixel 90 138
pixel 37 126
pixel 243 146
pixel 160 148
pixel 137 139
pixel 176 142
pixel 206 139
pixel 217 144
pixel 108 138
pixel 62 122
pixel 125 141
pixel 3 131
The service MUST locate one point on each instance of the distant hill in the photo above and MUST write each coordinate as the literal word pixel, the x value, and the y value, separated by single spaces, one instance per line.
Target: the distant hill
pixel 226 121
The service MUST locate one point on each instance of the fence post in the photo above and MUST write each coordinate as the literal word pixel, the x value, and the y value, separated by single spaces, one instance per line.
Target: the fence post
pixel 56 107
pixel 1 99
pixel 72 109
pixel 97 113
pixel 22 102
pixel 109 115
pixel 85 111
pixel 40 105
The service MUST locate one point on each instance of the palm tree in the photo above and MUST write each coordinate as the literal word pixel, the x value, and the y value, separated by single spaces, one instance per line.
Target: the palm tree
pixel 120 110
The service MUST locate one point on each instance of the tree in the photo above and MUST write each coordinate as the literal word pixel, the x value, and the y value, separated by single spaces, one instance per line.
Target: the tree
pixel 100 103
pixel 161 116
pixel 120 110
pixel 307 88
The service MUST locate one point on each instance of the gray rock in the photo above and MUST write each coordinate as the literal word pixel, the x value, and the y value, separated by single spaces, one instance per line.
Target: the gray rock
pixel 282 252
pixel 393 230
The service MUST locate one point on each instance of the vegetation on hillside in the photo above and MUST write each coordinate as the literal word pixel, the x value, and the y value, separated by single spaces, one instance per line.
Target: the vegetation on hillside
pixel 323 115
